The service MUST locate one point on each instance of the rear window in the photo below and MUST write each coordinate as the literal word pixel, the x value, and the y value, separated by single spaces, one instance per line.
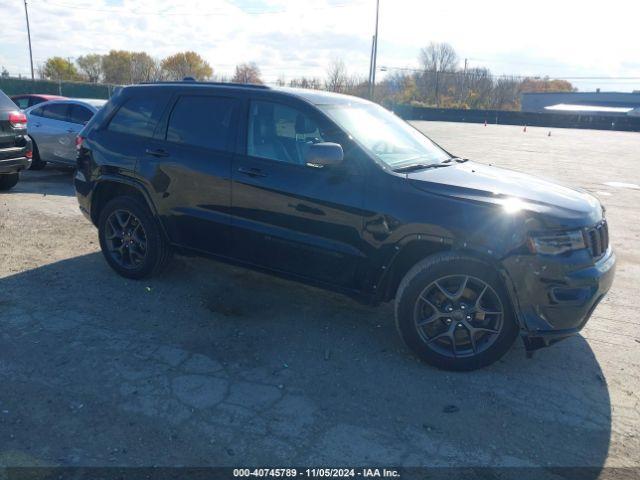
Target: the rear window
pixel 207 122
pixel 22 102
pixel 135 117
pixel 5 102
pixel 79 114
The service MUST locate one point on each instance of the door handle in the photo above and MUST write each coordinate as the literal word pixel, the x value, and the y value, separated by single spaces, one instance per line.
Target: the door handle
pixel 70 130
pixel 252 172
pixel 157 153
pixel 36 124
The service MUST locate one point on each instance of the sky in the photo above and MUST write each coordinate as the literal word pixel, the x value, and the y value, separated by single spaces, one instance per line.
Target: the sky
pixel 293 38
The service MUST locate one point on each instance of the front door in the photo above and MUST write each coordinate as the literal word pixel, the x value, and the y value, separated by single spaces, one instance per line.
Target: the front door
pixel 291 217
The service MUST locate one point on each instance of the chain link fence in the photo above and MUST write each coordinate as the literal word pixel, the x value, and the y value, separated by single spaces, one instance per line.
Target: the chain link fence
pixel 18 86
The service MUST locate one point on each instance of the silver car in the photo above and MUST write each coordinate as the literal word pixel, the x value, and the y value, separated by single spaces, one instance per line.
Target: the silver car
pixel 53 127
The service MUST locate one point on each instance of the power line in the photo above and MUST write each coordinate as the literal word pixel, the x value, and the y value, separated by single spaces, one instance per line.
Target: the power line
pixel 253 11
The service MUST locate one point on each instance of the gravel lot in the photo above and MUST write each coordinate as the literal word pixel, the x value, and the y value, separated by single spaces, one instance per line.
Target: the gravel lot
pixel 215 365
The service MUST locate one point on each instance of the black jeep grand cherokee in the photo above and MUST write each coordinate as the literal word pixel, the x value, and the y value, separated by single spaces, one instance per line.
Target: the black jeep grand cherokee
pixel 339 192
pixel 15 145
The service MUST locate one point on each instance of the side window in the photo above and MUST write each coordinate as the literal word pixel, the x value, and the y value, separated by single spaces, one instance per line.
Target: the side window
pixel 79 114
pixel 37 112
pixel 22 102
pixel 280 133
pixel 56 111
pixel 135 117
pixel 204 122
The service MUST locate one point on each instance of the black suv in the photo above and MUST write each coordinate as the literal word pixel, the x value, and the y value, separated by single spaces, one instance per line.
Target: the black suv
pixel 15 145
pixel 339 192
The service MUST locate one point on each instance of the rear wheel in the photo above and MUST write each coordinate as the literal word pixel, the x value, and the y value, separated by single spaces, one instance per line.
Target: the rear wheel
pixel 36 163
pixel 8 180
pixel 453 312
pixel 131 239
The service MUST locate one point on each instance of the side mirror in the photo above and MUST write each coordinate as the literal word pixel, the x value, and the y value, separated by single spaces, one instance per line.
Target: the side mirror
pixel 323 154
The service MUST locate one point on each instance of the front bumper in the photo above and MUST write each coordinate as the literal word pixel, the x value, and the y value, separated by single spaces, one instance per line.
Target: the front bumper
pixel 555 296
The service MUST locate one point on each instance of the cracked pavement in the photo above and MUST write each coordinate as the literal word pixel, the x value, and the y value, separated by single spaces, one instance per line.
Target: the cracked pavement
pixel 215 365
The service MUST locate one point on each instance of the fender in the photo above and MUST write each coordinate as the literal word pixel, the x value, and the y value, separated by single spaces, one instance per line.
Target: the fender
pixel 125 181
pixel 433 244
pixel 383 269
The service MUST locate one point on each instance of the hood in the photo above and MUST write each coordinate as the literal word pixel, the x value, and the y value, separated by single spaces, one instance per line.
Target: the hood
pixel 511 189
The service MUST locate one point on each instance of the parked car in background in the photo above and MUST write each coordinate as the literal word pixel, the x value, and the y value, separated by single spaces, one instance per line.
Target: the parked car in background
pixel 53 127
pixel 15 145
pixel 337 191
pixel 30 99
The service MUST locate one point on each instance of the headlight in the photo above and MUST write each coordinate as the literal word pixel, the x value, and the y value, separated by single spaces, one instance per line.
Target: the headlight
pixel 556 243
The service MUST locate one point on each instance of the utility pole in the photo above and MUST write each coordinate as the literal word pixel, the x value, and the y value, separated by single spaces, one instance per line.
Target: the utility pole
pixel 374 55
pixel 26 14
pixel 464 80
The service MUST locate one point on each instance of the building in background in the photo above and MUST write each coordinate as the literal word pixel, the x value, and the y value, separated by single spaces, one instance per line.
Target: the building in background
pixel 587 103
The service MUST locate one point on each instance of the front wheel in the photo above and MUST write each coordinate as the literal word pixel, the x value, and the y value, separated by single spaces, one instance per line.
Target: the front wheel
pixel 9 180
pixel 453 312
pixel 131 239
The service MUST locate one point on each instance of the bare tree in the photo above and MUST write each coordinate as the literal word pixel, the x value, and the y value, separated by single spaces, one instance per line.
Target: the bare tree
pixel 438 61
pixel 438 57
pixel 505 94
pixel 144 68
pixel 247 73
pixel 336 80
pixel 304 82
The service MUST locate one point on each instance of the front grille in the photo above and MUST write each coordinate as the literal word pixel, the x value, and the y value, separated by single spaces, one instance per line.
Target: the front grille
pixel 597 239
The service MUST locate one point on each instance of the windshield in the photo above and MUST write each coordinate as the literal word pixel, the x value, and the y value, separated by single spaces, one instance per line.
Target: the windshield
pixel 384 135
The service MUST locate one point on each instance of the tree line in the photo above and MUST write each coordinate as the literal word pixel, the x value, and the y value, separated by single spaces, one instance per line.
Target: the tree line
pixel 441 80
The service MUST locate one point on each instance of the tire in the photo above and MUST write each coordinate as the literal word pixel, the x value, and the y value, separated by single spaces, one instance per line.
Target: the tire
pixel 8 180
pixel 143 262
pixel 36 163
pixel 463 334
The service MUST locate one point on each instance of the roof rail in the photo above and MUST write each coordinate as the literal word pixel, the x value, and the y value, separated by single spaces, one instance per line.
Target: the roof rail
pixel 189 80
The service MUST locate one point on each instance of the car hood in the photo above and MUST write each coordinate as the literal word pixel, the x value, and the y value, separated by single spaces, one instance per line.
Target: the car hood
pixel 510 189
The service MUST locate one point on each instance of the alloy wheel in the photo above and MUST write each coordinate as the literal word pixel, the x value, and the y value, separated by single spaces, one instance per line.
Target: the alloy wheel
pixel 126 239
pixel 458 316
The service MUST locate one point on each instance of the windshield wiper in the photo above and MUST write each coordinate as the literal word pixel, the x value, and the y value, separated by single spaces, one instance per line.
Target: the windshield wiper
pixel 418 166
pixel 456 159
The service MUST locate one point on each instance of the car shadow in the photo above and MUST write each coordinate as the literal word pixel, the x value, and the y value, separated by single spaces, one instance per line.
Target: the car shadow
pixel 49 181
pixel 227 365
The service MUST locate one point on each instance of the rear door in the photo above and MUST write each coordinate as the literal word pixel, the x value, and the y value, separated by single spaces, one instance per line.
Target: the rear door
pixel 188 167
pixel 123 135
pixel 49 129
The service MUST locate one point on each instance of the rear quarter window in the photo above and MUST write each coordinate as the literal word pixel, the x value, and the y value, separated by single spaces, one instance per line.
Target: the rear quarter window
pixel 135 117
